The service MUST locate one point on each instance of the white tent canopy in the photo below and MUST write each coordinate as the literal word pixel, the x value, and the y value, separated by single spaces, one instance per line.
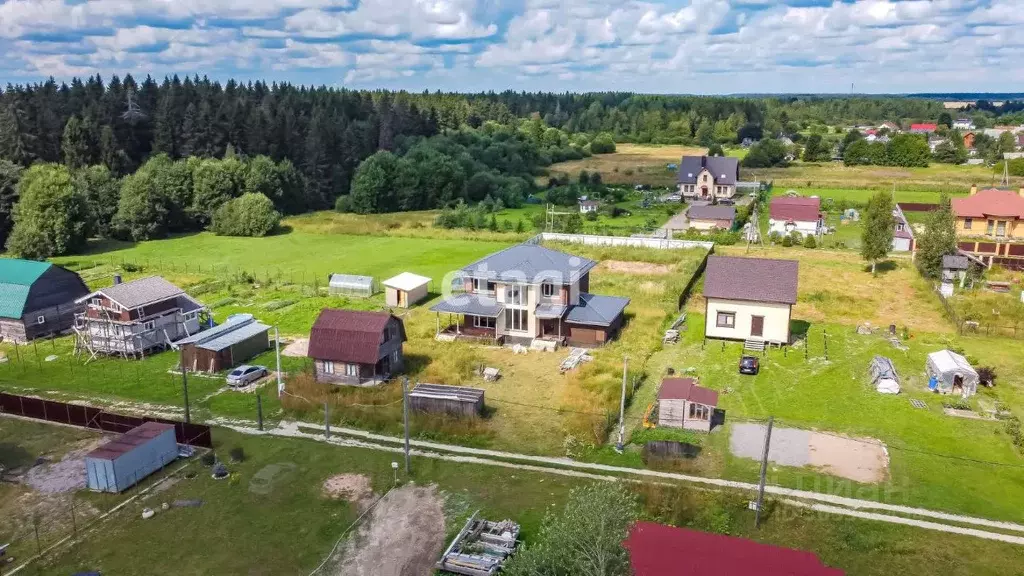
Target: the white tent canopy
pixel 406 281
pixel 952 372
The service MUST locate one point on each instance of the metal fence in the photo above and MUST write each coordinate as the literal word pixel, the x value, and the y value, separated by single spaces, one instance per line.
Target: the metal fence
pixel 97 419
pixel 965 326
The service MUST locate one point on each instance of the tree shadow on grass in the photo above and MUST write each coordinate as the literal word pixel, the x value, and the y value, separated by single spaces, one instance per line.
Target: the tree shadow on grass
pixel 798 329
pixel 883 267
pixel 14 456
pixel 416 363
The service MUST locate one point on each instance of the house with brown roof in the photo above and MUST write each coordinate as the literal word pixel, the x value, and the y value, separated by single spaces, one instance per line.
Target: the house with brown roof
pixel 684 404
pixel 710 217
pixel 990 225
pixel 750 299
pixel 355 347
pixel 788 214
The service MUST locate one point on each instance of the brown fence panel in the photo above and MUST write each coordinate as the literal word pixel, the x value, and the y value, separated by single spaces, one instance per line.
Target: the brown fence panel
pixel 917 206
pixel 97 419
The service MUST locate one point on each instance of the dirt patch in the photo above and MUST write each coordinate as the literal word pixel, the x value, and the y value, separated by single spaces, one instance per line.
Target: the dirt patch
pixel 859 459
pixel 297 349
pixel 624 267
pixel 402 536
pixel 352 487
pixel 65 475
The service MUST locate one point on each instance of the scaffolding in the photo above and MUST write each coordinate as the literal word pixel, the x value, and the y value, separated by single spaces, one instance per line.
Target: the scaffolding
pixel 131 339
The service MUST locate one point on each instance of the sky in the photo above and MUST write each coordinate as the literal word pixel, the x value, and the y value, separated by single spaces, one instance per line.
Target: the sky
pixel 666 46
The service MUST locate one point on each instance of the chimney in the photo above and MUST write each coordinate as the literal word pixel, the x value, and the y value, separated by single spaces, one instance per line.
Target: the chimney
pixel 974 189
pixel 1021 192
pixel 117 279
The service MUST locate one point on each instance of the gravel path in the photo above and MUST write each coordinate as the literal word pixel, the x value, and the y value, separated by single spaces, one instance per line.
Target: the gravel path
pixel 790 447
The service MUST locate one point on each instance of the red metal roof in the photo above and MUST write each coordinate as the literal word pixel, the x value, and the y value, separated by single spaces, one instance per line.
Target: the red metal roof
pixel 795 209
pixel 659 550
pixel 130 440
pixel 687 389
pixel 349 335
pixel 992 202
pixel 924 127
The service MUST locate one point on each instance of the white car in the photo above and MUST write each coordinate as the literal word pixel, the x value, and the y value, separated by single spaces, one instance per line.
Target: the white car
pixel 245 375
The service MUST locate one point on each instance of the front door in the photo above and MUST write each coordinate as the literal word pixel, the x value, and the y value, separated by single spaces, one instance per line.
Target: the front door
pixel 757 326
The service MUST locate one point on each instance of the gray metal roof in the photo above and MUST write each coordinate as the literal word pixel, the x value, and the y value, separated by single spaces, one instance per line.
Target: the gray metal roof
pixel 138 292
pixel 471 304
pixel 724 169
pixel 549 311
pixel 950 262
pixel 350 281
pixel 596 310
pixel 530 264
pixel 225 335
pixel 444 391
pixel 711 213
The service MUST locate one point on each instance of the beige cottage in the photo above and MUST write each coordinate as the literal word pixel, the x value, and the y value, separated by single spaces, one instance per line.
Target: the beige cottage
pixel 684 404
pixel 750 298
pixel 406 289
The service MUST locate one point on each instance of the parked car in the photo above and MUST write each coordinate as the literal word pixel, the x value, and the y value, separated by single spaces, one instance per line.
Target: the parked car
pixel 749 365
pixel 727 202
pixel 245 375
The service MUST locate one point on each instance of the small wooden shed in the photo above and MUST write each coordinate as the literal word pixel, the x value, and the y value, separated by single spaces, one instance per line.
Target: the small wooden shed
pixel 684 404
pixel 226 345
pixel 405 289
pixel 441 398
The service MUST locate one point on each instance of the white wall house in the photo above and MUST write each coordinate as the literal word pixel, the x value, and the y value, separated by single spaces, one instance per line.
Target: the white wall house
pixel 750 298
pixel 708 177
pixel 795 213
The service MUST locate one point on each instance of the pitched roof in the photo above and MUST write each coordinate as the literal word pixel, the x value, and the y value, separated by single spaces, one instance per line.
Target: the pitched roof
pixel 16 280
pixel 687 389
pixel 952 262
pixel 530 263
pixel 472 304
pixel 711 213
pixel 349 335
pixel 406 281
pixel 130 440
pixel 660 550
pixel 992 202
pixel 724 169
pixel 234 330
pixel 924 127
pixel 138 292
pixel 795 208
pixel 751 279
pixel 596 310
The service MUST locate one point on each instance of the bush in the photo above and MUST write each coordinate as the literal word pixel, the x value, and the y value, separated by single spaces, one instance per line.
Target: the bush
pixel 602 144
pixel 248 215
pixel 987 375
pixel 237 454
pixel 810 242
pixel 591 216
pixel 787 241
pixel 208 459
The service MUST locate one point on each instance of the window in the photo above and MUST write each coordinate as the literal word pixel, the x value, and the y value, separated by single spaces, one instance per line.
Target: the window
pixel 328 367
pixel 149 325
pixel 516 320
pixel 968 222
pixel 395 357
pixel 388 333
pixel 514 295
pixel 482 285
pixel 899 226
pixel 41 320
pixel 547 289
pixel 990 227
pixel 699 411
pixel 98 302
pixel 705 179
pixel 726 320
pixel 351 369
pixel 1001 228
pixel 481 322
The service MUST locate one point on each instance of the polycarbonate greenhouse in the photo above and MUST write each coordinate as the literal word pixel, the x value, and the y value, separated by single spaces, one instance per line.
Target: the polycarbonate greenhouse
pixel 352 285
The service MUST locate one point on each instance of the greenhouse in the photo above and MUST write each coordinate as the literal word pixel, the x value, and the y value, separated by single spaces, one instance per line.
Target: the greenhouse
pixel 352 285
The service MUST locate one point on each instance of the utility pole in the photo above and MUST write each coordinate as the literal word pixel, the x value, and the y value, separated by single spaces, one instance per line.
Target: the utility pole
pixel 327 421
pixel 277 353
pixel 622 406
pixel 764 472
pixel 184 381
pixel 259 411
pixel 405 419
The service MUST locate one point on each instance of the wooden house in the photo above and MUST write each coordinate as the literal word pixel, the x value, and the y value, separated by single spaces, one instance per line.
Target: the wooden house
pixel 356 347
pixel 750 299
pixel 444 399
pixel 37 299
pixel 684 404
pixel 134 318
pixel 406 289
pixel 224 346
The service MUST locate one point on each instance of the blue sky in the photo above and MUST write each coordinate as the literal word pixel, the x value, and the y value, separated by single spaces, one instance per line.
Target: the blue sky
pixel 668 46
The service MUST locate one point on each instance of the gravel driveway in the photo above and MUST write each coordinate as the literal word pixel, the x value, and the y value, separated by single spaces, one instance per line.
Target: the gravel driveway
pixel 860 459
pixel 790 447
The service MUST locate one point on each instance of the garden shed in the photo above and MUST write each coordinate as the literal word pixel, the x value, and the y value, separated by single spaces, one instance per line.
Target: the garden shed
pixel 226 345
pixel 351 285
pixel 405 289
pixel 951 373
pixel 441 398
pixel 129 459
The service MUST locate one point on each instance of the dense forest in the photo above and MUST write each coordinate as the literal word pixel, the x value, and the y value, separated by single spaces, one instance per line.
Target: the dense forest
pixel 139 160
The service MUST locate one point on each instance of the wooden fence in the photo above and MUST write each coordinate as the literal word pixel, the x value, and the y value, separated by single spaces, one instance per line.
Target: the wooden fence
pixel 96 418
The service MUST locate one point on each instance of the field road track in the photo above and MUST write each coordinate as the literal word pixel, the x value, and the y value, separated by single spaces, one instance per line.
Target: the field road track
pixel 826 503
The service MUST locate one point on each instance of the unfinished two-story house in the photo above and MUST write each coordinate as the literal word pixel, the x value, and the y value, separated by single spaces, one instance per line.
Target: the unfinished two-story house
pixel 131 319
pixel 531 295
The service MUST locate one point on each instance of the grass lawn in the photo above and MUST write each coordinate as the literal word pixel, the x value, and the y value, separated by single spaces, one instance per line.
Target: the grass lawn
pixel 640 219
pixel 861 196
pixel 291 527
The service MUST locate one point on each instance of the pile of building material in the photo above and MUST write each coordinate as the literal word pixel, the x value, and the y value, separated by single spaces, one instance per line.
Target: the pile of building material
pixel 576 355
pixel 883 375
pixel 480 548
pixel 670 337
pixel 491 374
